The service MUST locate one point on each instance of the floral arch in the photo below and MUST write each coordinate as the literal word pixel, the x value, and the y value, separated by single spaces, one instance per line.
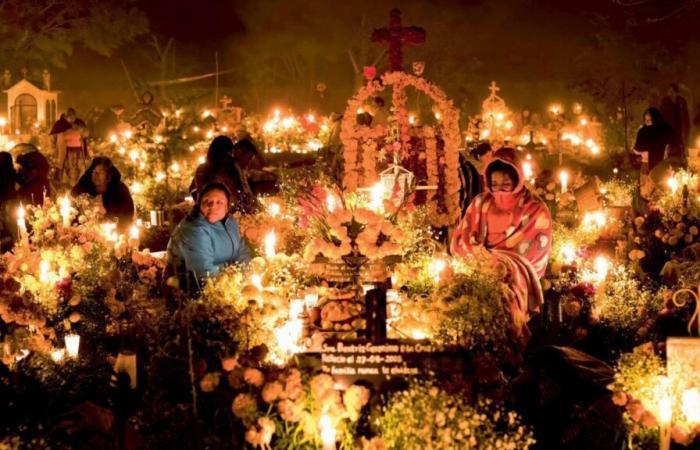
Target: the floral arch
pixel 440 156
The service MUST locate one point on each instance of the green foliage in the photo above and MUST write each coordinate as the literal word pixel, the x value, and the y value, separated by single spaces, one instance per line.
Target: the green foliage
pixel 425 416
pixel 624 302
pixel 473 313
pixel 47 31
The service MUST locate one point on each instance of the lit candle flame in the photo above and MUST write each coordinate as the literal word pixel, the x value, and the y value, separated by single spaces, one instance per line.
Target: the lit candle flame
pixel 328 432
pixel 564 179
pixel 270 241
pixel 72 342
pixel 65 210
pixel 274 209
pixel 377 196
pixel 568 253
pixel 673 184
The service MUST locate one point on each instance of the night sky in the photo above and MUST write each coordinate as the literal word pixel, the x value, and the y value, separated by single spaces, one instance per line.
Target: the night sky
pixel 280 50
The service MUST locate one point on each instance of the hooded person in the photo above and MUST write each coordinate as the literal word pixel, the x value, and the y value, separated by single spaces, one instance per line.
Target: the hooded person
pixel 33 175
pixel 654 137
pixel 207 239
pixel 511 228
pixel 221 166
pixel 103 179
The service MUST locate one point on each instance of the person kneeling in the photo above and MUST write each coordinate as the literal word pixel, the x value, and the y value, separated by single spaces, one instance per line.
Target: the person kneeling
pixel 207 239
pixel 511 229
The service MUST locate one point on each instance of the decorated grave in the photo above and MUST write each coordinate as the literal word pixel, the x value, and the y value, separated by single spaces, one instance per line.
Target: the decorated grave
pixel 352 327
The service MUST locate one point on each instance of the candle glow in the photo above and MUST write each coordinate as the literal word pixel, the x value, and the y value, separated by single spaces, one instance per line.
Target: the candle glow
pixel 72 342
pixel 270 241
pixel 564 179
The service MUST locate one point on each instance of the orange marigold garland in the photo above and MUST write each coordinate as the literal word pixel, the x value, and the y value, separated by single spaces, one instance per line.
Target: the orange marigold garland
pixel 359 172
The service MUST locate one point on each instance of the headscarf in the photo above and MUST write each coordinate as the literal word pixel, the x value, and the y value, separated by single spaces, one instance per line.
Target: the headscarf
pixel 516 229
pixel 655 137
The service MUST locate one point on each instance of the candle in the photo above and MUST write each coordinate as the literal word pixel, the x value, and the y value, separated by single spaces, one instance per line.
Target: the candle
pixel 436 267
pixel 690 405
pixel 328 432
pixel 65 210
pixel 418 334
pixel 330 203
pixel 665 412
pixel 134 233
pixel 21 223
pixel 673 184
pixel 44 271
pixel 296 308
pixel 568 253
pixel 564 178
pixel 311 300
pixel 126 363
pixel 602 266
pixel 155 218
pixel 256 279
pixel 270 241
pixel 377 196
pixel 274 209
pixel 57 355
pixel 72 344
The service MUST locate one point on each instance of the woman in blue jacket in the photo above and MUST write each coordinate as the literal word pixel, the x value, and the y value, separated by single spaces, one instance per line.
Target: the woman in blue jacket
pixel 207 240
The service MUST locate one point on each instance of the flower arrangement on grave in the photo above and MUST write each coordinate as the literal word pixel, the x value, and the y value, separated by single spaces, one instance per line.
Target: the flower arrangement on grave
pixel 361 143
pixel 426 416
pixel 451 303
pixel 23 322
pixel 72 271
pixel 285 408
pixel 624 303
pixel 618 191
pixel 640 379
pixel 276 217
pixel 570 245
pixel 62 242
pixel 259 295
pixel 352 226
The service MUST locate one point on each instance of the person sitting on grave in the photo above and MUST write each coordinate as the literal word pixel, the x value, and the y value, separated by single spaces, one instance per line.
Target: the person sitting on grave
pixel 252 166
pixel 70 138
pixel 207 239
pixel 221 166
pixel 103 179
pixel 511 228
pixel 471 166
pixel 33 175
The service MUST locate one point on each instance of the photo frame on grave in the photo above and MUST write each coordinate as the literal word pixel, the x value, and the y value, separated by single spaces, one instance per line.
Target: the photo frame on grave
pixel 396 174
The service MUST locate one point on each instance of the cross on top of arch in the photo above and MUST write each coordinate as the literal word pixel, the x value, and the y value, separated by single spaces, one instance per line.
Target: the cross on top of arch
pixel 493 99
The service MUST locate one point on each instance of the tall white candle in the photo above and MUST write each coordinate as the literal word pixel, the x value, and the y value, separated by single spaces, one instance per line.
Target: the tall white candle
pixel 564 178
pixel 72 344
pixel 21 222
pixel 270 241
pixel 65 210
pixel 328 432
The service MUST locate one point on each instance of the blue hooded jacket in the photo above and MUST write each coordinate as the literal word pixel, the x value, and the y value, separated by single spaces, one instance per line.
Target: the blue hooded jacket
pixel 205 248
